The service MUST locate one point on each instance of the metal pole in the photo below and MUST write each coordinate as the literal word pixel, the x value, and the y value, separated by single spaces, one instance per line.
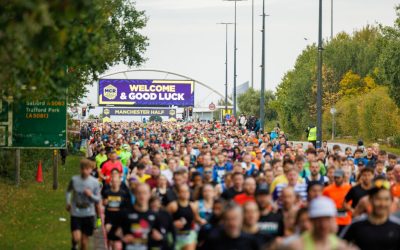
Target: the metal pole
pixel 226 64
pixel 17 166
pixel 234 69
pixel 331 19
pixel 319 85
pixel 333 126
pixel 252 44
pixel 55 169
pixel 262 92
pixel 226 67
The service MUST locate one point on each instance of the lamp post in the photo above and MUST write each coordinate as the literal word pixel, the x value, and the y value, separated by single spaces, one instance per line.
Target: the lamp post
pixel 262 97
pixel 319 78
pixel 252 44
pixel 226 64
pixel 234 60
pixel 333 112
pixel 331 19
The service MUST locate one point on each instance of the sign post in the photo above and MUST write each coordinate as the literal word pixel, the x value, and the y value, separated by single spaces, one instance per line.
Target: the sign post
pixel 17 166
pixel 55 169
pixel 333 112
pixel 211 106
pixel 34 124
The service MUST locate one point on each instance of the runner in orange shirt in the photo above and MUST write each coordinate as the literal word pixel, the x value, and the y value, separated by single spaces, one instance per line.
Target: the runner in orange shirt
pixel 395 189
pixel 337 192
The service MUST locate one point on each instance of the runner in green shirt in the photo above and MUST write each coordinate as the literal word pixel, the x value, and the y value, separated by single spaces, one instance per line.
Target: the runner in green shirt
pixel 100 158
pixel 125 155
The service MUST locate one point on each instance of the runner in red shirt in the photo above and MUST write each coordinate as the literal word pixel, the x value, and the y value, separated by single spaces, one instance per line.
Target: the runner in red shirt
pixel 249 188
pixel 112 163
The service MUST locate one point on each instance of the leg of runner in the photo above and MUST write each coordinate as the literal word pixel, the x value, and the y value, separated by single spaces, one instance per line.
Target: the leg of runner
pixel 190 247
pixel 76 238
pixel 84 242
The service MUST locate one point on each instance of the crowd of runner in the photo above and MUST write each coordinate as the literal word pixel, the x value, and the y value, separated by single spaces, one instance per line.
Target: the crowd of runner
pixel 207 185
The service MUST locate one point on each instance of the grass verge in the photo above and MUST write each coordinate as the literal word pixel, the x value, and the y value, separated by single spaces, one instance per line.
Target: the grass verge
pixel 30 214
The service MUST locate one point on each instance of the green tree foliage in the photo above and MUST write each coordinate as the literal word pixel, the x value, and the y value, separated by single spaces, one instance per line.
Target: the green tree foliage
pixel 294 94
pixel 352 84
pixel 49 46
pixel 389 59
pixel 372 115
pixel 249 103
pixel 155 118
pixel 350 68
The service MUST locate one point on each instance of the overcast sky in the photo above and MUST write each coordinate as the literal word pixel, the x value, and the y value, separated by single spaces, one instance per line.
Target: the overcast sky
pixel 184 36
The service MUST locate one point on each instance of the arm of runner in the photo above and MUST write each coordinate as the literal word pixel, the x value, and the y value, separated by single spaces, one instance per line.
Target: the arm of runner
pixel 197 218
pixel 68 196
pixel 347 206
pixel 95 194
pixel 347 202
pixel 361 207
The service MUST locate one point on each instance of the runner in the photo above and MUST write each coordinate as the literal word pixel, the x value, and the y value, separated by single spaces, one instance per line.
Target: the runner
pixel 115 199
pixel 231 237
pixel 251 216
pixel 196 169
pixel 377 230
pixel 322 212
pixel 337 192
pixel 356 193
pixel 185 214
pixel 108 166
pixel 83 193
pixel 139 227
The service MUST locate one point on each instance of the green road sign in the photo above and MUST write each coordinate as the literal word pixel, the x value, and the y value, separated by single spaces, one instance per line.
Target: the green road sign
pixel 33 124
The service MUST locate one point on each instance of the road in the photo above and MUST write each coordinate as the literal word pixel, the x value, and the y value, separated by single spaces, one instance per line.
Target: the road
pixel 330 145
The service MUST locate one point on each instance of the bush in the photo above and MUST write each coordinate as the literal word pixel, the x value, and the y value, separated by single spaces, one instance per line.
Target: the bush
pixel 371 116
pixel 29 163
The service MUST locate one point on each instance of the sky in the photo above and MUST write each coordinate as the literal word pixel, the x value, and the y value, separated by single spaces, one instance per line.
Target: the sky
pixel 184 37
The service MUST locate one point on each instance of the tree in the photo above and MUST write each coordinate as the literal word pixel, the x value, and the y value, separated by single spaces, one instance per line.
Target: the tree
pixel 296 94
pixel 249 103
pixel 352 84
pixel 389 59
pixel 155 118
pixel 92 117
pixel 51 46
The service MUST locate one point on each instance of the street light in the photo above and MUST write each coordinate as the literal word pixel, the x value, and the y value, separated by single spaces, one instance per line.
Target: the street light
pixel 226 65
pixel 252 44
pixel 234 60
pixel 331 19
pixel 333 112
pixel 262 97
pixel 319 77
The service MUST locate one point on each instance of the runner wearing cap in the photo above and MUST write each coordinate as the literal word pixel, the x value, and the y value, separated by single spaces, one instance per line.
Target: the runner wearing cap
pixel 337 192
pixel 322 212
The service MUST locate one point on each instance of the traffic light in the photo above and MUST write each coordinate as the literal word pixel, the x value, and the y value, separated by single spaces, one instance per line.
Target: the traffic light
pixel 184 114
pixel 83 111
pixel 190 111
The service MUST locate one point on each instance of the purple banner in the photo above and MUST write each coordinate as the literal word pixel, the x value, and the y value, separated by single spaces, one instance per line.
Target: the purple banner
pixel 107 112
pixel 153 93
